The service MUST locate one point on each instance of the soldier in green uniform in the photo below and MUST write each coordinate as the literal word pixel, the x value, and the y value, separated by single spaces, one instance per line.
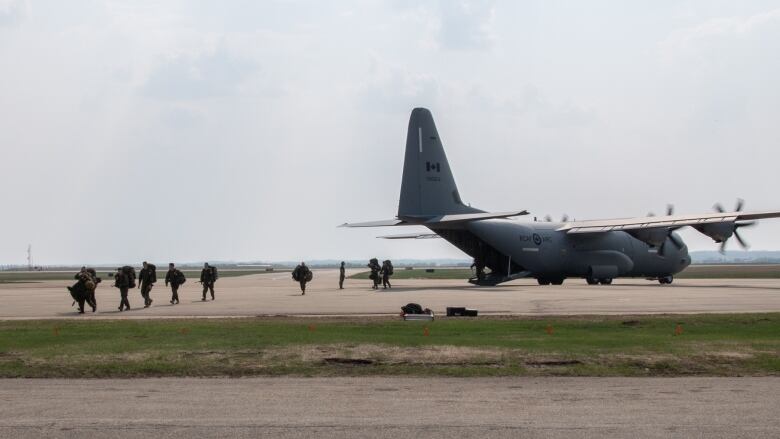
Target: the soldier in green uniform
pixel 342 275
pixel 91 287
pixel 387 271
pixel 302 274
pixel 122 281
pixel 147 277
pixel 83 291
pixel 373 264
pixel 207 277
pixel 175 278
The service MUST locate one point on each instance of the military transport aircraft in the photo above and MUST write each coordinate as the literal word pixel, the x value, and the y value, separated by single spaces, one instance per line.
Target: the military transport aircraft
pixel 597 250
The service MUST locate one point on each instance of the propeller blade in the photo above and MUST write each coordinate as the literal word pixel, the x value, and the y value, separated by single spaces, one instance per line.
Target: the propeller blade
pixel 722 249
pixel 740 204
pixel 669 210
pixel 548 218
pixel 565 218
pixel 650 214
pixel 718 208
pixel 741 241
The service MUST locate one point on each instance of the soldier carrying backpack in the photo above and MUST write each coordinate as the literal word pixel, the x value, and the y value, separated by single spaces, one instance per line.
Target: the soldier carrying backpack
pixel 84 288
pixel 123 279
pixel 387 271
pixel 147 277
pixel 302 275
pixel 373 264
pixel 175 278
pixel 208 276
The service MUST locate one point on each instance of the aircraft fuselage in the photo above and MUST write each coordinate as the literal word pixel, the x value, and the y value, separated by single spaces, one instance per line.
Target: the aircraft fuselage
pixel 509 247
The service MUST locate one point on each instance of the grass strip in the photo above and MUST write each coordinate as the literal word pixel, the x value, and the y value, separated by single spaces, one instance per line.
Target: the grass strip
pixel 713 345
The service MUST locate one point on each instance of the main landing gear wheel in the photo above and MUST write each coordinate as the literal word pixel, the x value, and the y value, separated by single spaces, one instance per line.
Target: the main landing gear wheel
pixel 591 281
pixel 665 280
pixel 550 281
pixel 605 281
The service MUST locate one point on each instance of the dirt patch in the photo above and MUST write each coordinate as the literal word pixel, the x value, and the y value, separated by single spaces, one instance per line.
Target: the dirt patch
pixel 349 361
pixel 552 363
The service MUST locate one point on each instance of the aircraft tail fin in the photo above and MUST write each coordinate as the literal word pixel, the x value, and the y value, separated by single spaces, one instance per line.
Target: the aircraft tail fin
pixel 428 186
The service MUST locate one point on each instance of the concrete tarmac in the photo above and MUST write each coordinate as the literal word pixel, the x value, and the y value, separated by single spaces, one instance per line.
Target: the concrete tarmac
pixel 385 407
pixel 278 294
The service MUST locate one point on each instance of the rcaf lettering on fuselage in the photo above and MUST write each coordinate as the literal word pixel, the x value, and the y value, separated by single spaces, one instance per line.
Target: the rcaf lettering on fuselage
pixel 535 238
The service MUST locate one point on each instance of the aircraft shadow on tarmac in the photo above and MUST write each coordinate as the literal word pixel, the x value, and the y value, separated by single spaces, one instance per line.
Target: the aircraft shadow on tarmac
pixel 443 289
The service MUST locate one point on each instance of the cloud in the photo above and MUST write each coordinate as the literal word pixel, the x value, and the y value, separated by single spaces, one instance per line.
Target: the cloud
pixel 208 74
pixel 721 27
pixel 393 88
pixel 12 12
pixel 466 24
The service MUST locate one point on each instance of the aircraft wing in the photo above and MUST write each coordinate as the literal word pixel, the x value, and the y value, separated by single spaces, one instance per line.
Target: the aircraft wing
pixel 653 222
pixel 411 236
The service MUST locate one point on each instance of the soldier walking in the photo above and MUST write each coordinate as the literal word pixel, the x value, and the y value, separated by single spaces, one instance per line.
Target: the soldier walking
pixel 342 275
pixel 373 264
pixel 207 277
pixel 302 274
pixel 84 288
pixel 387 271
pixel 147 277
pixel 122 281
pixel 175 278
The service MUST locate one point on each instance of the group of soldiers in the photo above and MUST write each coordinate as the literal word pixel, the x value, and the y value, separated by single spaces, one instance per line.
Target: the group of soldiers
pixel 302 274
pixel 380 272
pixel 83 291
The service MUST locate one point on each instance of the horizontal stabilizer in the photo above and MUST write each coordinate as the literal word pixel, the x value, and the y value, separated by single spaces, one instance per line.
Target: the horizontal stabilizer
pixel 411 236
pixel 465 217
pixel 380 223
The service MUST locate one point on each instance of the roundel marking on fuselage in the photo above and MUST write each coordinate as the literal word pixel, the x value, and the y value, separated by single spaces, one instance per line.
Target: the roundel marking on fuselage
pixel 537 239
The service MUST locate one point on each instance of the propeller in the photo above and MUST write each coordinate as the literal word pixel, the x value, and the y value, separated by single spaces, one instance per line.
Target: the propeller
pixel 674 239
pixel 565 218
pixel 669 211
pixel 740 204
pixel 548 218
pixel 738 208
pixel 740 240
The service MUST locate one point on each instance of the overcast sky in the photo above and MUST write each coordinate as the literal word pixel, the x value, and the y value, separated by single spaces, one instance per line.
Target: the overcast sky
pixel 246 130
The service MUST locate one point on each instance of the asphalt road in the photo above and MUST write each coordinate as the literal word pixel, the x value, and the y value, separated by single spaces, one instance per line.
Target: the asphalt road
pixel 384 407
pixel 276 293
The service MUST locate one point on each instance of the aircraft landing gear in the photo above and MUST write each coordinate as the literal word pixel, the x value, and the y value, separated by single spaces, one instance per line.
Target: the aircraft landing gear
pixel 665 280
pixel 606 281
pixel 550 281
pixel 591 281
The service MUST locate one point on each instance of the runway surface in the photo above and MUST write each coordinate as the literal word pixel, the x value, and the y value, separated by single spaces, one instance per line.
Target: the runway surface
pixel 276 293
pixel 384 407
